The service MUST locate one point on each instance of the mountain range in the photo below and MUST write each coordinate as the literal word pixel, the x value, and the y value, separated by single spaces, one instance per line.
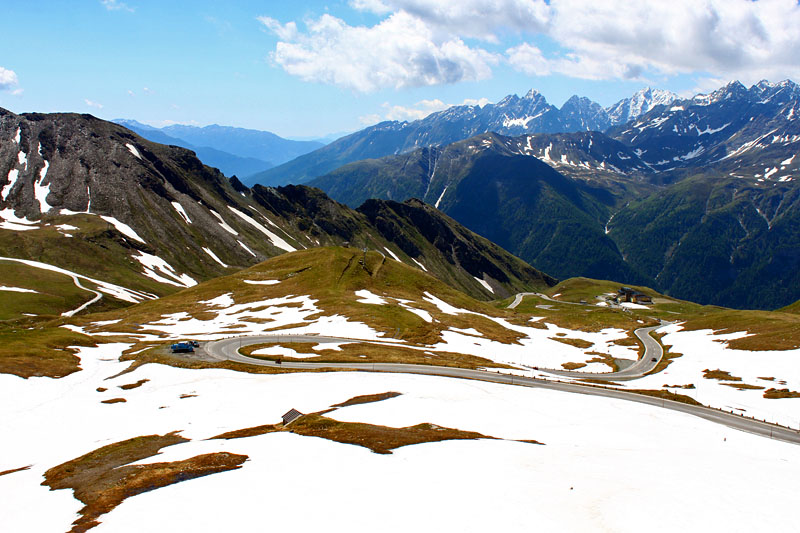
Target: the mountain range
pixel 510 116
pixel 94 198
pixel 235 151
pixel 697 198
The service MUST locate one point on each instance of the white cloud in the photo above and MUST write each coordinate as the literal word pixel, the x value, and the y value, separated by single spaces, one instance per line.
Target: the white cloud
pixel 422 42
pixel 417 111
pixel 8 80
pixel 481 19
pixel 401 51
pixel 420 110
pixel 90 103
pixel 371 119
pixel 116 5
pixel 727 38
pixel 528 59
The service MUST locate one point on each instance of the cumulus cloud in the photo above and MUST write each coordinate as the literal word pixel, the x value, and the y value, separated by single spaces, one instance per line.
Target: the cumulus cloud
pixel 8 80
pixel 481 19
pixel 422 42
pixel 727 38
pixel 91 103
pixel 401 51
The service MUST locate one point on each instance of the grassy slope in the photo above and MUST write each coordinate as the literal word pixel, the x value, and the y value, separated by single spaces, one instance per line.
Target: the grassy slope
pixel 771 330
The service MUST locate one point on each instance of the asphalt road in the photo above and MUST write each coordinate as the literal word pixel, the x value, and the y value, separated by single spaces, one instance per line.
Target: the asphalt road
pixel 652 356
pixel 228 350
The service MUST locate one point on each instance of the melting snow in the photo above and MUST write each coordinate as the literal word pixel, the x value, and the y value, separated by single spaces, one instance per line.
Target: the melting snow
pixel 123 228
pixel 133 150
pixel 436 205
pixel 17 135
pixel 10 221
pixel 151 263
pixel 214 256
pixel 485 284
pixel 13 174
pixel 262 282
pixel 179 208
pixel 786 162
pixel 367 297
pixel 40 191
pixel 394 256
pixel 277 241
pixel 248 250
pixel 225 225
pixel 419 264
pixel 16 289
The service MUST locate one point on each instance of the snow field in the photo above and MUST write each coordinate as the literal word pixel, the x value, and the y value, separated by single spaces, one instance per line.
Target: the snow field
pixel 599 456
pixel 703 350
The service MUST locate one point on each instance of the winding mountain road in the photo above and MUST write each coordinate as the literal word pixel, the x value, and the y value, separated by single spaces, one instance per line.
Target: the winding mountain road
pixel 228 350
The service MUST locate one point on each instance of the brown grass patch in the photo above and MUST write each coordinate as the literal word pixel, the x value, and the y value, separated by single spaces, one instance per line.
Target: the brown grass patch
pixel 572 366
pixel 184 396
pixel 40 352
pixel 101 389
pixel 130 386
pixel 743 386
pixel 368 398
pixel 20 469
pixel 250 432
pixel 721 375
pixel 689 386
pixel 376 353
pixel 379 439
pixel 667 395
pixel 104 478
pixel 605 359
pixel 115 400
pixel 776 394
pixel 767 379
pixel 578 343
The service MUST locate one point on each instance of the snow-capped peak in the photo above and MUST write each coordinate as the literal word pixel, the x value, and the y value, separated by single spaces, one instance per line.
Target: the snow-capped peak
pixel 640 103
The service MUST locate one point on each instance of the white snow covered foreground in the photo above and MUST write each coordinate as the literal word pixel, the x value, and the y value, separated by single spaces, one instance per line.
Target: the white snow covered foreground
pixel 605 464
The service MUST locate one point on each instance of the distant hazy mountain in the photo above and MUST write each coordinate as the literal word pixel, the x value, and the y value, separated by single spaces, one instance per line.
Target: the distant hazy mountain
pixel 235 151
pixel 510 116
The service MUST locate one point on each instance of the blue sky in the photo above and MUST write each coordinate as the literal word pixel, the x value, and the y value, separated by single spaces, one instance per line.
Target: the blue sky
pixel 315 68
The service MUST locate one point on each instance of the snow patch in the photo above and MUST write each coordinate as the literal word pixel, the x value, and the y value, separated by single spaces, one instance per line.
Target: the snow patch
pixel 224 224
pixel 133 150
pixel 276 241
pixel 123 228
pixel 485 284
pixel 436 205
pixel 13 175
pixel 262 282
pixel 248 250
pixel 16 289
pixel 367 297
pixel 10 221
pixel 214 256
pixel 179 208
pixel 151 263
pixel 40 191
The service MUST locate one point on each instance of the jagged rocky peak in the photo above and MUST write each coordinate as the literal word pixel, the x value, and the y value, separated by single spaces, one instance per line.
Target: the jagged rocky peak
pixel 640 103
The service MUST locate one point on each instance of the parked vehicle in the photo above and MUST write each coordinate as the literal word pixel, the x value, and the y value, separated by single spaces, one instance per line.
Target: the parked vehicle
pixel 182 347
